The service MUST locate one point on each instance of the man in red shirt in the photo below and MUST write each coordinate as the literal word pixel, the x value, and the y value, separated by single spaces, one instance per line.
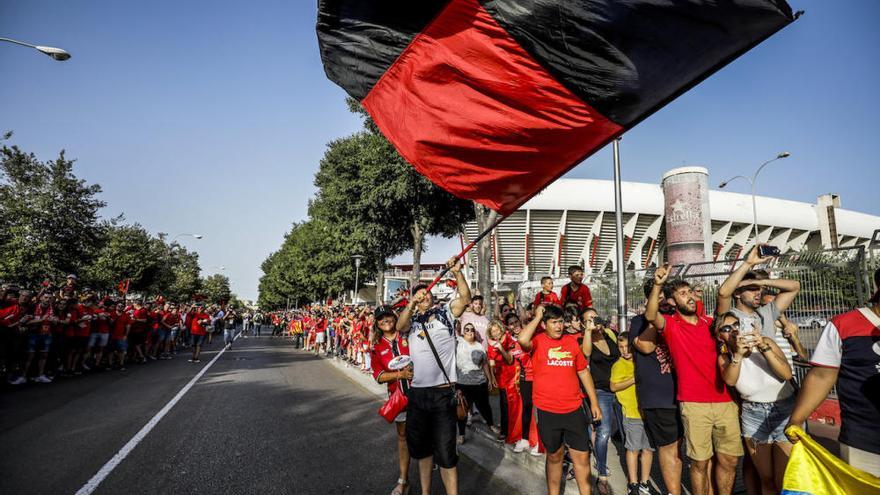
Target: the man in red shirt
pixel 575 291
pixel 710 417
pixel 100 335
pixel 121 322
pixel 77 358
pixel 200 321
pixel 140 321
pixel 560 369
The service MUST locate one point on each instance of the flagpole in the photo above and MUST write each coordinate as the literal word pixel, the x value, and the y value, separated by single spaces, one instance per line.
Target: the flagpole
pixel 618 223
pixel 466 249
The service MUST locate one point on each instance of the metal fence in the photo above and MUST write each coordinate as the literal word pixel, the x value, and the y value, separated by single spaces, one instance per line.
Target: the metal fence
pixel 832 282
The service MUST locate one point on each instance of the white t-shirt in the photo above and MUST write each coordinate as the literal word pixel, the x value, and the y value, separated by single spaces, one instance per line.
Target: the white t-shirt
pixel 469 361
pixel 426 373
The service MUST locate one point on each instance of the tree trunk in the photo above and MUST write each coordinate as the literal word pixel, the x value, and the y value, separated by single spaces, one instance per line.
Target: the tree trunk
pixel 418 234
pixel 485 217
pixel 380 283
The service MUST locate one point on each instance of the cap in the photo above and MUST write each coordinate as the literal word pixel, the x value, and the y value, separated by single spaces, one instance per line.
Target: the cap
pixel 875 299
pixel 72 276
pixel 383 311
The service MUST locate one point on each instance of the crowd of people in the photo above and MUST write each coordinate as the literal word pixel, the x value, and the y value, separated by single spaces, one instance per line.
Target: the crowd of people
pixel 53 332
pixel 715 382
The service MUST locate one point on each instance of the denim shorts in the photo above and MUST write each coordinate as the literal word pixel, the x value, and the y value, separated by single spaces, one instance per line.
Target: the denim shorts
pixel 764 422
pixel 38 342
pixel 163 336
pixel 120 345
pixel 98 339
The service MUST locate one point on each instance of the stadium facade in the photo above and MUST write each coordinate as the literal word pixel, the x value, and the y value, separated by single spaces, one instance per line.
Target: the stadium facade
pixel 572 222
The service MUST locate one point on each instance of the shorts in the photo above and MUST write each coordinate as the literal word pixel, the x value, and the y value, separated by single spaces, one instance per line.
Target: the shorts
pixel 98 339
pixel 119 345
pixel 38 342
pixel 172 334
pixel 79 342
pixel 764 422
pixel 431 425
pixel 567 428
pixel 164 335
pixel 136 338
pixel 662 426
pixel 197 339
pixel 319 338
pixel 400 418
pixel 634 434
pixel 711 427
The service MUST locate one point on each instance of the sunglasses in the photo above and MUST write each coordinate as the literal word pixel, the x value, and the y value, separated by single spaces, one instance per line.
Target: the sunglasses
pixel 728 328
pixel 469 329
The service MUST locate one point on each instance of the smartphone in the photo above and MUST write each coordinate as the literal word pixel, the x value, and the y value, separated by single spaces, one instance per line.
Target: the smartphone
pixel 765 250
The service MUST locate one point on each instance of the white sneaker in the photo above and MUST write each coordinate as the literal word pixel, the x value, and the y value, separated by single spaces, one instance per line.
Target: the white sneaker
pixel 534 451
pixel 521 446
pixel 43 379
pixel 18 381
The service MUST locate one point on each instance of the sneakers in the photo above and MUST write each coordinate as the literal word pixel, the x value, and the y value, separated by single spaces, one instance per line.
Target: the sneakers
pixel 534 451
pixel 17 381
pixel 644 489
pixel 43 379
pixel 86 367
pixel 521 446
pixel 496 430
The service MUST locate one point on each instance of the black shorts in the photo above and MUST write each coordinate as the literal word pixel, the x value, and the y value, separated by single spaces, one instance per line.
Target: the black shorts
pixel 663 426
pixel 430 425
pixel 569 429
pixel 137 338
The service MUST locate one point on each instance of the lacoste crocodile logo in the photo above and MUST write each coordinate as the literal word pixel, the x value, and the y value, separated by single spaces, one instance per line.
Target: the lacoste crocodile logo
pixel 558 353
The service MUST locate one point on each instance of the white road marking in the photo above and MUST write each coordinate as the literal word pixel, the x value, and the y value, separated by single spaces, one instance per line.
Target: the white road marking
pixel 126 449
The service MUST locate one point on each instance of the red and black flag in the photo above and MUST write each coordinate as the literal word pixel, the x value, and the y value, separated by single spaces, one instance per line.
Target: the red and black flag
pixel 493 100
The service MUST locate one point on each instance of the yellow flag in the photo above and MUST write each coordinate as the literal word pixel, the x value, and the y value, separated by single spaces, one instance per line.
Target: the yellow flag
pixel 812 470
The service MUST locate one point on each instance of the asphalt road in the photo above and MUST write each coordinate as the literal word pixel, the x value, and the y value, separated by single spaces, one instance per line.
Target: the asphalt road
pixel 265 418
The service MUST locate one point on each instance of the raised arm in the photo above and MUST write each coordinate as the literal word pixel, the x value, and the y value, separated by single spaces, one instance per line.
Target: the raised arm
pixel 725 292
pixel 405 317
pixel 458 305
pixel 652 310
pixel 525 336
pixel 788 290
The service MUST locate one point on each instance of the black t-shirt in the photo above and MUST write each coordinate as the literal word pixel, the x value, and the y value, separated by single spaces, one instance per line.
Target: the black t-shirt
pixel 600 363
pixel 655 378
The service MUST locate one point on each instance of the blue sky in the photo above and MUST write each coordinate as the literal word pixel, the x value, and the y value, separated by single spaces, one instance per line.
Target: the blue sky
pixel 211 117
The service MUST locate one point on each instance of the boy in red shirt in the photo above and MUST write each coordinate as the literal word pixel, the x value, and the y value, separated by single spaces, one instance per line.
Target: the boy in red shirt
pixel 575 291
pixel 546 295
pixel 560 369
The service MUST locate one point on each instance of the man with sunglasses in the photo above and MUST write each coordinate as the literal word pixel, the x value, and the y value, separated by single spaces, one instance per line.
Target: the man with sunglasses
pixel 742 294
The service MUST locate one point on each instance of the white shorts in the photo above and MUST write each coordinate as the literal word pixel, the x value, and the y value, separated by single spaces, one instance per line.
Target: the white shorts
pixel 319 338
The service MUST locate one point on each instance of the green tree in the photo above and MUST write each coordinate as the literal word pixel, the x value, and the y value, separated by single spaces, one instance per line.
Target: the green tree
pixel 48 217
pixel 126 254
pixel 380 201
pixel 216 289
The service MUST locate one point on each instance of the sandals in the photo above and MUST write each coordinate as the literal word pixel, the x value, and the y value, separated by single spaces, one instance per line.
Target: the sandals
pixel 402 488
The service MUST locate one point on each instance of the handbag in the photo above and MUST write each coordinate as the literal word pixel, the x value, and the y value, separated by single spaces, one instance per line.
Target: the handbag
pixel 395 405
pixel 459 401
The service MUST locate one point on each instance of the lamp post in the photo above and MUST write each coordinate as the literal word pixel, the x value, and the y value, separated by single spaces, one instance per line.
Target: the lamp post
pixel 357 272
pixel 753 180
pixel 58 54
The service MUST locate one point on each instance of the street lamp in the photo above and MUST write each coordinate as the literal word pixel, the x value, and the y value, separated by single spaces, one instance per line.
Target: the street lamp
pixel 197 236
pixel 753 180
pixel 357 272
pixel 56 53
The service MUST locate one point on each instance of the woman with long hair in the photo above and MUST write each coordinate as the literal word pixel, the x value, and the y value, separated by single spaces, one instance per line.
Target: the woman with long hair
pixel 387 344
pixel 474 378
pixel 758 369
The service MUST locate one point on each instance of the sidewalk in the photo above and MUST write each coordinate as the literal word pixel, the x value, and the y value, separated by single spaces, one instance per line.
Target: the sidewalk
pixel 520 470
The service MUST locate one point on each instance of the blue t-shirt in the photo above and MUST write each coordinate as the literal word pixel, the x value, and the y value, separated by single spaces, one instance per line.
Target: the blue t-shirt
pixel 655 377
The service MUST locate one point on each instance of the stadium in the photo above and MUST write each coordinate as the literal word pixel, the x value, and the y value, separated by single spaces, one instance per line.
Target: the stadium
pixel 572 223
